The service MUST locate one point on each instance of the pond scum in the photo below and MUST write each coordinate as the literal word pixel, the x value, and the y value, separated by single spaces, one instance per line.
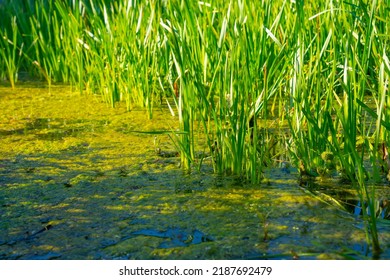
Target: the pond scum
pixel 258 83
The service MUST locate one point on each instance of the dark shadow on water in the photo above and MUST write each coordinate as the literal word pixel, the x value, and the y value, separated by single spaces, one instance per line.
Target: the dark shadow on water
pixel 55 129
pixel 90 189
pixel 158 212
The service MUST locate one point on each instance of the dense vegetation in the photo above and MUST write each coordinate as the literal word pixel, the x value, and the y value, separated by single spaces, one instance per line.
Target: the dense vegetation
pixel 246 71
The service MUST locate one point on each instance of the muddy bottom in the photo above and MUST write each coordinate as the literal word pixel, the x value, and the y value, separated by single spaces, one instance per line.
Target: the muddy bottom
pixel 77 183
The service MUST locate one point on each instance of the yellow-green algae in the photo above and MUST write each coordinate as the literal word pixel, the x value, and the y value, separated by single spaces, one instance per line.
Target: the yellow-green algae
pixel 70 162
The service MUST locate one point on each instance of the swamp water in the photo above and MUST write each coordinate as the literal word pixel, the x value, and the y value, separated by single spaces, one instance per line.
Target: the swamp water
pixel 77 183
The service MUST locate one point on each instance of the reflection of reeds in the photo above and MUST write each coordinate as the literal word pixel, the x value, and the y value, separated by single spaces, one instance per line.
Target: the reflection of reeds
pixel 227 68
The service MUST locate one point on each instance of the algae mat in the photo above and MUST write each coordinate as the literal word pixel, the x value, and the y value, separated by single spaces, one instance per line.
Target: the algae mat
pixel 77 183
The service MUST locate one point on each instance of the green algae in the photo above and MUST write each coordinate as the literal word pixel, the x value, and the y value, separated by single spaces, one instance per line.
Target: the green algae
pixel 72 165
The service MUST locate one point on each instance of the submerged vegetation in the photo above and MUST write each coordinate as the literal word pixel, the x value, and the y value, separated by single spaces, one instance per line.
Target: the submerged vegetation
pixel 257 82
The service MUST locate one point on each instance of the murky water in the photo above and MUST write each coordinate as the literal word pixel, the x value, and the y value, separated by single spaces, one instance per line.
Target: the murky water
pixel 77 183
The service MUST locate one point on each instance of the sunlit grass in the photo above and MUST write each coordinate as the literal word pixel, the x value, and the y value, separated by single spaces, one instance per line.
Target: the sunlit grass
pixel 225 69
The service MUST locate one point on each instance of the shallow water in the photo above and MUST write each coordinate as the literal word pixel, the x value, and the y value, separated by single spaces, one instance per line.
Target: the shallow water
pixel 77 183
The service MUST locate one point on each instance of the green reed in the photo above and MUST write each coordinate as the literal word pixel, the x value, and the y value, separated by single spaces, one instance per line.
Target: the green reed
pixel 232 72
pixel 11 53
pixel 332 73
pixel 215 56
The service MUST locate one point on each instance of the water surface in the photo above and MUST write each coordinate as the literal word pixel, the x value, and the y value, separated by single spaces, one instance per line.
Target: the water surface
pixel 77 183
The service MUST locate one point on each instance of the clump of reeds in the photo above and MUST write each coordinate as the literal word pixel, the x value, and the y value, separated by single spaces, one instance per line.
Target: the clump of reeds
pixel 234 71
